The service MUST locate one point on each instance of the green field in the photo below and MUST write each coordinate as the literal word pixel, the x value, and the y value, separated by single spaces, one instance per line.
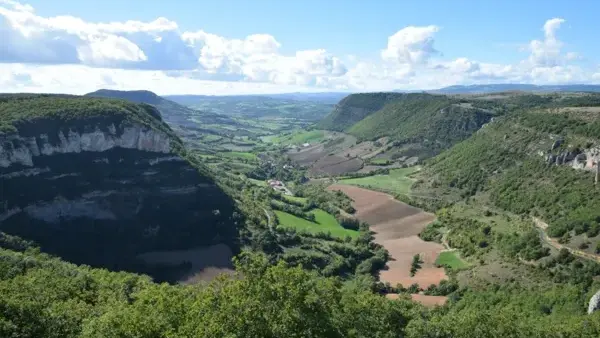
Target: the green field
pixel 211 138
pixel 239 154
pixel 379 161
pixel 396 182
pixel 295 199
pixel 258 182
pixel 298 137
pixel 324 222
pixel 451 260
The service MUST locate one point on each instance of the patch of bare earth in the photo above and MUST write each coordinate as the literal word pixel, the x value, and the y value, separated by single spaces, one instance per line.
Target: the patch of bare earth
pixel 335 165
pixel 307 156
pixel 206 262
pixel 429 301
pixel 397 226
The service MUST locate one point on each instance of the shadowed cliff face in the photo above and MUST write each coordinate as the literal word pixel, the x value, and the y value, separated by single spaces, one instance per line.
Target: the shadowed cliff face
pixel 102 193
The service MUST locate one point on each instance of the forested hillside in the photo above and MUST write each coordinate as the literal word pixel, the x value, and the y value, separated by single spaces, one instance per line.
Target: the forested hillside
pixel 536 161
pixel 421 117
pixel 354 108
pixel 418 124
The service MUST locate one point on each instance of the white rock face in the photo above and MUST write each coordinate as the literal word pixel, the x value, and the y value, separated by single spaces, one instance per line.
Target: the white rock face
pixel 594 304
pixel 16 149
pixel 592 156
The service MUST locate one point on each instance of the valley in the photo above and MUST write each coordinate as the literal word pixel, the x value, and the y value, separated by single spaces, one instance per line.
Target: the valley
pixel 435 202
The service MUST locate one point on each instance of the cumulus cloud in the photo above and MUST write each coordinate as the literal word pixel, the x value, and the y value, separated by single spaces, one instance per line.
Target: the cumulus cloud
pixel 546 53
pixel 155 45
pixel 411 45
pixel 68 54
pixel 80 79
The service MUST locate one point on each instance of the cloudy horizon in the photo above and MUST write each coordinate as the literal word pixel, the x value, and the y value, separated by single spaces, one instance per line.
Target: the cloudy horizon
pixel 68 54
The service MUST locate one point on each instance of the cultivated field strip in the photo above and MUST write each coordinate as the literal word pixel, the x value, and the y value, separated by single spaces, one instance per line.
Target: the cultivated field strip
pixel 396 226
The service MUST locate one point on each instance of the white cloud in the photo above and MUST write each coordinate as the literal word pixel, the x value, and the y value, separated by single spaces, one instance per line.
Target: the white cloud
pixel 546 53
pixel 105 49
pixel 155 45
pixel 80 79
pixel 68 54
pixel 411 45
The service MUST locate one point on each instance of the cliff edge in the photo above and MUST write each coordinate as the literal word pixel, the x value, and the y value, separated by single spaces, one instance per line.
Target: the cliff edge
pixel 99 181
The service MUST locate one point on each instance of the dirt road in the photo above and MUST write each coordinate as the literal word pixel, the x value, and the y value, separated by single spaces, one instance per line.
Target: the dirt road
pixel 542 226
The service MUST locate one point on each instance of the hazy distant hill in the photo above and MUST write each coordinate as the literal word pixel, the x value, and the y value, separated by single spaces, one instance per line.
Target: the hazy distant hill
pixel 171 111
pixel 190 124
pixel 326 97
pixel 502 87
pixel 330 97
pixel 261 106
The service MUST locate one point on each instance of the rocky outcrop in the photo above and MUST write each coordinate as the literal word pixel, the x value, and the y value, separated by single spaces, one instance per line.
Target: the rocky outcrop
pixel 586 159
pixel 101 191
pixel 594 304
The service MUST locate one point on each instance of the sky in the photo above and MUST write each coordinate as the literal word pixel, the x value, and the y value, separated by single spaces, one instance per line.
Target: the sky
pixel 272 46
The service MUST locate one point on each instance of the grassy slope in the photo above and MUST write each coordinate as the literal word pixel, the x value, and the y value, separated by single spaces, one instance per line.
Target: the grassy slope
pixel 451 260
pixel 298 137
pixel 324 222
pixel 296 199
pixel 398 181
pixel 238 154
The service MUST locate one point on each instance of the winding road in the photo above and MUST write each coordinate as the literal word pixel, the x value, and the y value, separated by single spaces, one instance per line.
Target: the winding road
pixel 542 226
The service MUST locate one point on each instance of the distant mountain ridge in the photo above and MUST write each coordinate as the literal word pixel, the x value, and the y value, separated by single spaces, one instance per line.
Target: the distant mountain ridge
pixel 502 87
pixel 325 97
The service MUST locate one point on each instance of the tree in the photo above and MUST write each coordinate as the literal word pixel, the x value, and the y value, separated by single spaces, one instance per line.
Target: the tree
pixel 415 265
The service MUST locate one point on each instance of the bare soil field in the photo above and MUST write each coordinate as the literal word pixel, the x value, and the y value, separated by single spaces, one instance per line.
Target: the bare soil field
pixel 206 262
pixel 429 301
pixel 335 165
pixel 325 158
pixel 307 156
pixel 396 226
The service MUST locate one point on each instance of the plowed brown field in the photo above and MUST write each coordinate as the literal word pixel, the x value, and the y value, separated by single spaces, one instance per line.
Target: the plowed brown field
pixel 397 226
pixel 423 299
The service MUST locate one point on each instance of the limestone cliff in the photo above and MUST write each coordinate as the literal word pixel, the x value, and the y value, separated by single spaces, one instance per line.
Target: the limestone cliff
pixel 98 181
pixel 585 159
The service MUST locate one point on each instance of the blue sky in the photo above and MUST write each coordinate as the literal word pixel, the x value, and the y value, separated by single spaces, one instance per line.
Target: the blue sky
pixel 343 45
